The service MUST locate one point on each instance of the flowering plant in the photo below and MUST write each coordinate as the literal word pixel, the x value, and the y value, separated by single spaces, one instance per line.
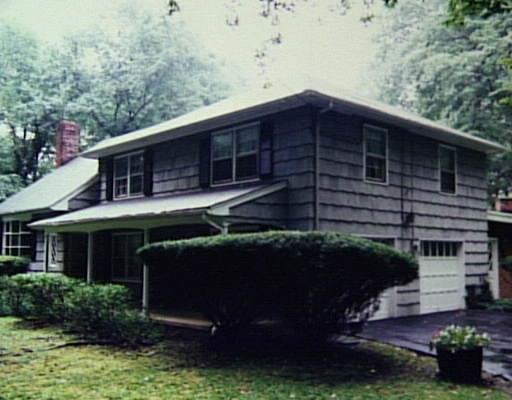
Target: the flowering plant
pixel 454 338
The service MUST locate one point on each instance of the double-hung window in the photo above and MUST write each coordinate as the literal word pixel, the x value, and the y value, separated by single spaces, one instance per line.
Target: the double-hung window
pixel 17 240
pixel 126 265
pixel 375 154
pixel 128 175
pixel 234 154
pixel 447 169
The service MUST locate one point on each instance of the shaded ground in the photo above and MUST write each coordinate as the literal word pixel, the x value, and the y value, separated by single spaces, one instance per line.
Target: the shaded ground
pixel 415 333
pixel 186 366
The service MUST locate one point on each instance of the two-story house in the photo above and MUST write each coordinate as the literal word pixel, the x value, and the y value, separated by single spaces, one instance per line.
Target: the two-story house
pixel 307 159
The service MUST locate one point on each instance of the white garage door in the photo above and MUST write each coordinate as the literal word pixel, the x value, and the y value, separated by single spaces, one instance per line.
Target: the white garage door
pixel 441 277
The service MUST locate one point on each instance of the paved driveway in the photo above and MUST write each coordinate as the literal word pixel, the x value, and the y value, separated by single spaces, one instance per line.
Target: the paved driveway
pixel 415 332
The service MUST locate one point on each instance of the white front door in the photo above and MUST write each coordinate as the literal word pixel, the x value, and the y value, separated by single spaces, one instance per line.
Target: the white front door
pixel 441 277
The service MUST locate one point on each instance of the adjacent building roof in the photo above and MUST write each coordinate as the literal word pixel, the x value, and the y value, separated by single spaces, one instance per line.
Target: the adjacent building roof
pixel 255 104
pixel 215 202
pixel 498 216
pixel 50 192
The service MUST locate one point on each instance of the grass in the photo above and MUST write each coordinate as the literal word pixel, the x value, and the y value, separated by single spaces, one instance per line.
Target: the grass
pixel 186 367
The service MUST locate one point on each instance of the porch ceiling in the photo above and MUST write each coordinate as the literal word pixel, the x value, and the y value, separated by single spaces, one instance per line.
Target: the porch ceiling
pixel 138 213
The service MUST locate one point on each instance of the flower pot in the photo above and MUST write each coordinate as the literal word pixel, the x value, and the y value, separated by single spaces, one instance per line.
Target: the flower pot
pixel 460 365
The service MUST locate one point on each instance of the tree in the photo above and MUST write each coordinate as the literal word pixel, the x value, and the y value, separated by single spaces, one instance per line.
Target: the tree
pixel 151 71
pixel 450 74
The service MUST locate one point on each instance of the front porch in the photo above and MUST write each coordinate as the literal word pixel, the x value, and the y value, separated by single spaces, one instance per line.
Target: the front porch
pixel 100 243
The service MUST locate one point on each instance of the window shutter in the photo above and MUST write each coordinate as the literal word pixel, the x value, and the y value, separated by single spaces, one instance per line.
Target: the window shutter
pixel 2 236
pixel 33 245
pixel 148 172
pixel 108 169
pixel 266 158
pixel 204 161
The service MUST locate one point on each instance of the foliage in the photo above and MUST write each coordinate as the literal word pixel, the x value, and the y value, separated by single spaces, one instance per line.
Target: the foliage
pixel 4 307
pixel 317 281
pixel 461 9
pixel 182 367
pixel 504 305
pixel 479 296
pixel 150 71
pixel 455 338
pixel 12 265
pixel 454 75
pixel 98 311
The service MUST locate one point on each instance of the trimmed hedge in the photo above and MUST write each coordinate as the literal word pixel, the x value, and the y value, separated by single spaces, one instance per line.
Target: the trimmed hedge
pixel 12 265
pixel 99 311
pixel 316 281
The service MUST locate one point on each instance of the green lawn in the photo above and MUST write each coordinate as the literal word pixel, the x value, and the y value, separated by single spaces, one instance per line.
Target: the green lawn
pixel 185 367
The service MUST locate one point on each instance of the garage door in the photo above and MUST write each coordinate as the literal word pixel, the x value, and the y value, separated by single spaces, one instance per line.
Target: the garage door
pixel 441 277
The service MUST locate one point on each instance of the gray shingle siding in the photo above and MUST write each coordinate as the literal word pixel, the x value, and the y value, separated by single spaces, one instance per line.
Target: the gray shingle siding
pixel 349 204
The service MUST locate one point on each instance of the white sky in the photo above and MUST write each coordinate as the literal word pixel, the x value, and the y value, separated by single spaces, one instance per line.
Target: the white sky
pixel 316 42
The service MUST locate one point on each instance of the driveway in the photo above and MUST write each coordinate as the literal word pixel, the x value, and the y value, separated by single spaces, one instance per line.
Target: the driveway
pixel 414 333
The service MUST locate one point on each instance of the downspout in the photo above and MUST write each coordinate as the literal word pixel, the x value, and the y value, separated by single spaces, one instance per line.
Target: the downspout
pixel 317 126
pixel 223 229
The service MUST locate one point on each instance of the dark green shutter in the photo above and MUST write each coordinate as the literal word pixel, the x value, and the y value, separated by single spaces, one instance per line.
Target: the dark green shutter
pixel 108 168
pixel 266 145
pixel 148 172
pixel 33 245
pixel 204 161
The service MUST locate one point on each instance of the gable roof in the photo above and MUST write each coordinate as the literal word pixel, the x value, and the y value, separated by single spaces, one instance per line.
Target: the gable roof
pixel 51 191
pixel 255 104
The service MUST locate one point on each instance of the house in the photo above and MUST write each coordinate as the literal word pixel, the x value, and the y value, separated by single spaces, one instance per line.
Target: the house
pixel 311 158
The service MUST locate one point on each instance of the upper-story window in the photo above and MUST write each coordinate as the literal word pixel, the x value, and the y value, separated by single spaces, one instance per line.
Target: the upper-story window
pixel 128 175
pixel 448 169
pixel 234 154
pixel 17 240
pixel 375 154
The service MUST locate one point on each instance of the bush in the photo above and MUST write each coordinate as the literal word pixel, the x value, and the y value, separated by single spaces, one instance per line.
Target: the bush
pixel 12 265
pixel 91 310
pixel 316 281
pixel 4 307
pixel 39 296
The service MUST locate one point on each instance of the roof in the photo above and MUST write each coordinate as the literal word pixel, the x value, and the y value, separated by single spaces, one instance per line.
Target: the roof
pixel 257 103
pixel 498 216
pixel 216 202
pixel 52 191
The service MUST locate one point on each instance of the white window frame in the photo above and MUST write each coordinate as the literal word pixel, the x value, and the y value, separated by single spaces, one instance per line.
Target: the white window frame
pixel 440 248
pixel 234 155
pixel 385 158
pixel 8 233
pixel 455 171
pixel 129 174
pixel 124 279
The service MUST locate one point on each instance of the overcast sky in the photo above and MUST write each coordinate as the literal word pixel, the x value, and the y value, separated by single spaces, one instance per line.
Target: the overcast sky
pixel 316 41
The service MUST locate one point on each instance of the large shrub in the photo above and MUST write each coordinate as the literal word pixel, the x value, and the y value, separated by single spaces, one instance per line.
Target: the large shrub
pixel 105 312
pixel 316 281
pixel 12 265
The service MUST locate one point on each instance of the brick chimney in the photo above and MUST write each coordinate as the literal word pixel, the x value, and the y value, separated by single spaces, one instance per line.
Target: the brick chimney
pixel 503 202
pixel 68 142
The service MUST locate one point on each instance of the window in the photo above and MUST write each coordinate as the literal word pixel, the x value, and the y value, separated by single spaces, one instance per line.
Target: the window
pixel 375 154
pixel 128 175
pixel 448 169
pixel 126 265
pixel 235 154
pixel 439 249
pixel 17 239
pixel 53 252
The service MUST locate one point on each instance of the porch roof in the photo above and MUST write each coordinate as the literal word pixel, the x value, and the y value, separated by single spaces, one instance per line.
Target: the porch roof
pixel 157 210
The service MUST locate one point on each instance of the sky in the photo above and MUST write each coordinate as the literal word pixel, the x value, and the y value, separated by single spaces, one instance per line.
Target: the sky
pixel 316 41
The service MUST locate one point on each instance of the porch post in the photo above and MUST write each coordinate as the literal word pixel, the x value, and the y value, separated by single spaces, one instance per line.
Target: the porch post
pixel 90 249
pixel 145 279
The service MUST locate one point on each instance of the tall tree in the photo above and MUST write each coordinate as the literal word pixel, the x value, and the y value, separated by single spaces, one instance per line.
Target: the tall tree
pixel 450 74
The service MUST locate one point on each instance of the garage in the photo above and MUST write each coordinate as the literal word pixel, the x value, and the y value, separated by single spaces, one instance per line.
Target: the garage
pixel 441 276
